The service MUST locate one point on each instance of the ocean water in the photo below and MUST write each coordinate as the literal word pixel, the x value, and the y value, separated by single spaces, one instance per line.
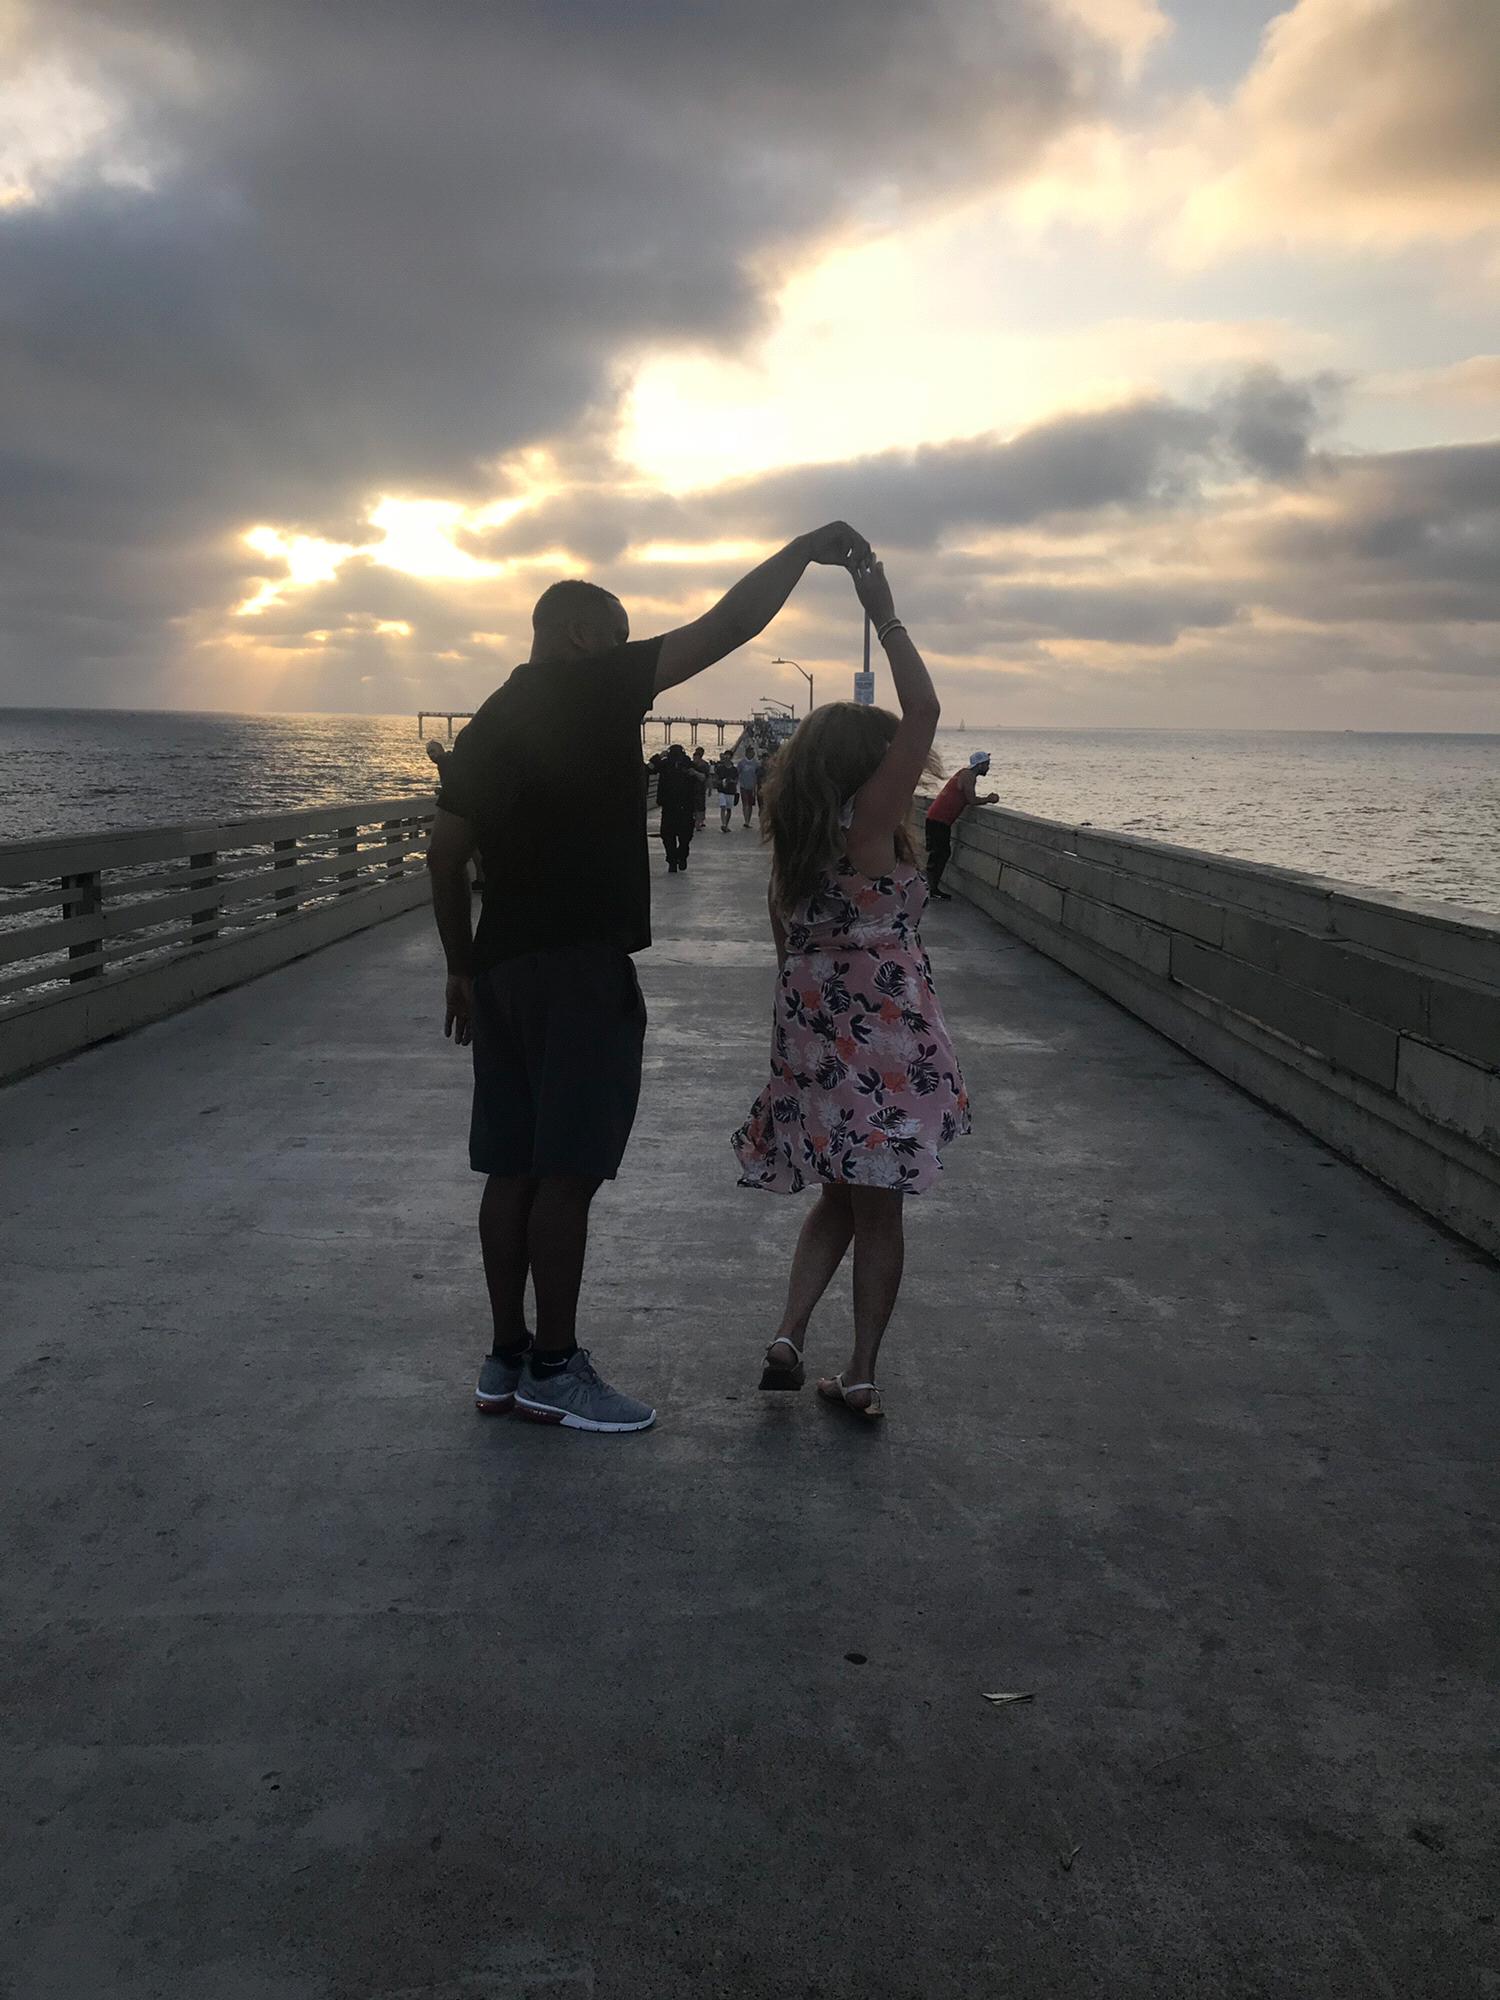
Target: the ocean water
pixel 1419 813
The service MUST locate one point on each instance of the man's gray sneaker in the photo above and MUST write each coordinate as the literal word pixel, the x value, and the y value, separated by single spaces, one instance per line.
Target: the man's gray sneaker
pixel 579 1398
pixel 495 1391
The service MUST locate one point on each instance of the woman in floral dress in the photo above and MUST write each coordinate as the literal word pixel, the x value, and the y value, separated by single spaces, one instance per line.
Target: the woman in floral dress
pixel 865 1089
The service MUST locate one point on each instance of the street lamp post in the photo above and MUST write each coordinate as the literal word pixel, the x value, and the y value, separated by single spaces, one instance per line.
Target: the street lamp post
pixel 779 662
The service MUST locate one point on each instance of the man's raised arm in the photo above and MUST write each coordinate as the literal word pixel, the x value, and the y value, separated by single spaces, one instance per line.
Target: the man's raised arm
pixel 745 611
pixel 449 846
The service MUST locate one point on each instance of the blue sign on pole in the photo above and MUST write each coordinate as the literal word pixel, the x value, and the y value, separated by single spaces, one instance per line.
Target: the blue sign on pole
pixel 864 684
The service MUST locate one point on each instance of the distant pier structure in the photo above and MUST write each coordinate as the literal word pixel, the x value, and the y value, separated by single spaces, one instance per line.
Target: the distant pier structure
pixel 692 723
pixel 665 723
pixel 448 715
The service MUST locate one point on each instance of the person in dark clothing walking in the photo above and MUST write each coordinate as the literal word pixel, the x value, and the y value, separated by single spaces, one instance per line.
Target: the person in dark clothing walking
pixel 725 783
pixel 680 792
pixel 440 759
pixel 748 777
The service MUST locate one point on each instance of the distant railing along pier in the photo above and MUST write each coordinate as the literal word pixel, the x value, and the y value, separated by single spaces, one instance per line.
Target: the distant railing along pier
pixel 667 723
pixel 103 932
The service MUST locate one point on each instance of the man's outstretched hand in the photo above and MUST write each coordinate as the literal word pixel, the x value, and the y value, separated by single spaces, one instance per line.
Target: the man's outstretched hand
pixel 458 1008
pixel 837 543
pixel 747 607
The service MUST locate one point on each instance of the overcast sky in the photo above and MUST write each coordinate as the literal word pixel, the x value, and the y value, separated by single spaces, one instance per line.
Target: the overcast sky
pixel 1156 346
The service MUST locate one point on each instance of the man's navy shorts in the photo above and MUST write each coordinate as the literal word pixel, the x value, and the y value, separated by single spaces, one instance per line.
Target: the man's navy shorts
pixel 557 1062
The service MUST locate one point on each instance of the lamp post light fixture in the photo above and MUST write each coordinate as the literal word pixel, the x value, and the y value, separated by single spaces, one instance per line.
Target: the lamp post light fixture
pixel 779 662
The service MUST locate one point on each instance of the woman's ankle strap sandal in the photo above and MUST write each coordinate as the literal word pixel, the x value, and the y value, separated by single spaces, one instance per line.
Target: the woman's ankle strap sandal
pixel 782 1374
pixel 837 1390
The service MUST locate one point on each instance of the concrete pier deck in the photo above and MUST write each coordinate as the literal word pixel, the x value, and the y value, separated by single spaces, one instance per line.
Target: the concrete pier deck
pixel 318 1685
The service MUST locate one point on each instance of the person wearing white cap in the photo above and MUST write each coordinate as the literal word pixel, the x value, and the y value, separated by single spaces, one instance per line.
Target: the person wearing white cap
pixel 950 805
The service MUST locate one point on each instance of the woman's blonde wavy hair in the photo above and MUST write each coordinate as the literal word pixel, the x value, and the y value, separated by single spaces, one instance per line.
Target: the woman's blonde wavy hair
pixel 812 778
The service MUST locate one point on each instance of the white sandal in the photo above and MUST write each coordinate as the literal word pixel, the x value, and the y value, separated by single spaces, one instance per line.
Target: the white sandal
pixel 837 1390
pixel 776 1374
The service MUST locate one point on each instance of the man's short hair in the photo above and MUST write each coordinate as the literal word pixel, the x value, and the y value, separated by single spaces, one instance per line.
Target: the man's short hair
pixel 560 603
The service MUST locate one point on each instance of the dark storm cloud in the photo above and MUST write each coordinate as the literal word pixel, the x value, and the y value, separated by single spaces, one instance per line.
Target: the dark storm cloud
pixel 961 615
pixel 1404 537
pixel 1141 456
pixel 1117 615
pixel 1136 456
pixel 1357 548
pixel 1269 420
pixel 385 244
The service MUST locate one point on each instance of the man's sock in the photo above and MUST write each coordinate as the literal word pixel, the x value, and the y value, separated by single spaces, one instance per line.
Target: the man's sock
pixel 514 1356
pixel 553 1362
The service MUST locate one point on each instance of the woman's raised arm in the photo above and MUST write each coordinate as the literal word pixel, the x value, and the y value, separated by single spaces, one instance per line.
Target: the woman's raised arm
pixel 884 800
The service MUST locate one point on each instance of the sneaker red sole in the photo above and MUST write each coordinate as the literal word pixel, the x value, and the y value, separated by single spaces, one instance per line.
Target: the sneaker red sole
pixel 495 1406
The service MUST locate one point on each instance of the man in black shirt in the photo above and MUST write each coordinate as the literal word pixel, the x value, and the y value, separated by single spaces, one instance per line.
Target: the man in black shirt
pixel 725 783
pixel 546 991
pixel 680 794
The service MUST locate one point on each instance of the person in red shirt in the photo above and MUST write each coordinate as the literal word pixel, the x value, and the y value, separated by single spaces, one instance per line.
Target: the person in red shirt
pixel 950 805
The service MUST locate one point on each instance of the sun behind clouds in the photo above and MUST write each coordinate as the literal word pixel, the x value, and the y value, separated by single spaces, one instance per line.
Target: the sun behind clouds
pixel 316 378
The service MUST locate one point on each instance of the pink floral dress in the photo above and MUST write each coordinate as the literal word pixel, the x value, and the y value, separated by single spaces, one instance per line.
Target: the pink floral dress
pixel 865 1087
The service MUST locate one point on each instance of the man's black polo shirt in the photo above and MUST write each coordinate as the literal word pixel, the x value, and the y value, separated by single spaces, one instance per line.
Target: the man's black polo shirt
pixel 549 775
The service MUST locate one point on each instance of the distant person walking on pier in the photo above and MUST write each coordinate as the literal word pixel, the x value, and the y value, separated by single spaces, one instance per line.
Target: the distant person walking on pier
pixel 546 991
pixel 725 781
pixel 680 794
pixel 748 776
pixel 946 810
pixel 865 1089
pixel 438 757
pixel 702 772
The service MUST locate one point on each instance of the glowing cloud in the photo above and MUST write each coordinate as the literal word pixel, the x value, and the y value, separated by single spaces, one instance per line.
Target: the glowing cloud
pixel 306 560
pixel 1368 121
pixel 417 536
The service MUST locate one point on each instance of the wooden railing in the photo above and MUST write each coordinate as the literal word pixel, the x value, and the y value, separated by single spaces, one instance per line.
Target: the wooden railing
pixel 90 907
pixel 186 910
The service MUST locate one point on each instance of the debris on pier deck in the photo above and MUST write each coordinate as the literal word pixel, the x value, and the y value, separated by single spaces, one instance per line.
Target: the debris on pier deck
pixel 320 1685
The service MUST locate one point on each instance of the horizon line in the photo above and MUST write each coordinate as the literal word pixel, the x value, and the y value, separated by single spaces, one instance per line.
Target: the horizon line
pixel 966 728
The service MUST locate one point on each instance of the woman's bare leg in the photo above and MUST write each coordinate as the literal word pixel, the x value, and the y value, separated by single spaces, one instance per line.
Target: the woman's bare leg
pixel 820 1250
pixel 879 1255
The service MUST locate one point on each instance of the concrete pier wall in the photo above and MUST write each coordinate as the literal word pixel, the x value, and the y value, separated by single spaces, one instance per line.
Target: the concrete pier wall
pixel 1371 1019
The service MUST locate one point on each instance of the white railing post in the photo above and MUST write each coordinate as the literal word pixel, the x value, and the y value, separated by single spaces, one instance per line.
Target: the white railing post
pixel 348 839
pixel 203 921
pixel 83 896
pixel 286 894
